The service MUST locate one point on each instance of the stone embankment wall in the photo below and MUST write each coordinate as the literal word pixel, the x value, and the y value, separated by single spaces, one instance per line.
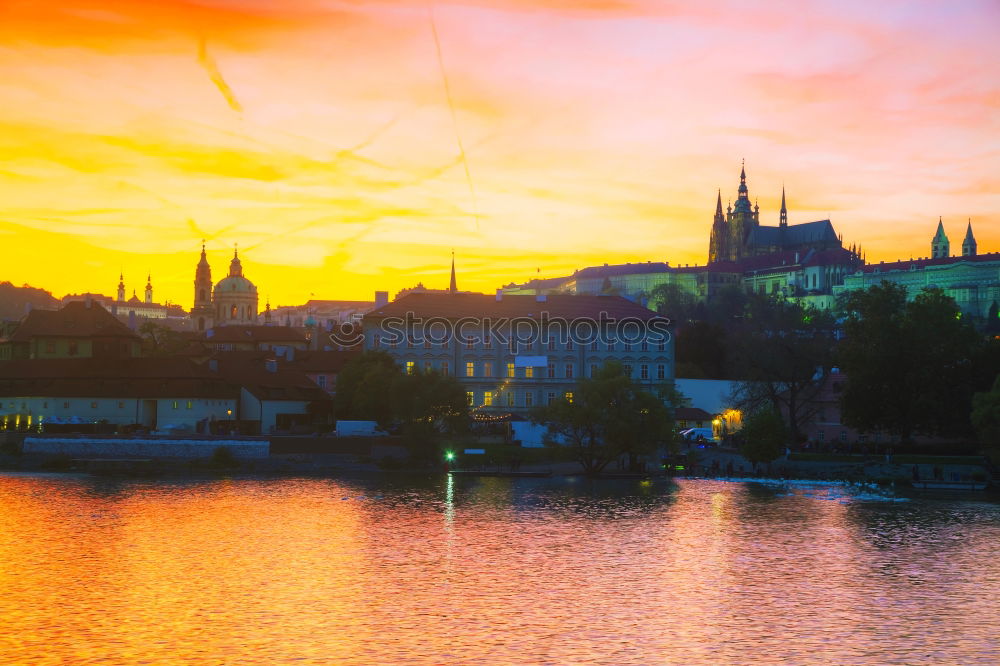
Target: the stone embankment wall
pixel 93 447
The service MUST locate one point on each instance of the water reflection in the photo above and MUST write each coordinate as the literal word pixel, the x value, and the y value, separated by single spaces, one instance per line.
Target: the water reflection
pixel 434 569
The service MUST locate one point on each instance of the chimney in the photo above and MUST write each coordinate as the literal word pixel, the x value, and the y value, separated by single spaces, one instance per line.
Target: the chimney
pixel 381 298
pixel 271 365
pixel 499 295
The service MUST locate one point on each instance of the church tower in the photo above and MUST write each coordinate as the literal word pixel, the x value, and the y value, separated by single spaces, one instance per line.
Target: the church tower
pixel 149 288
pixel 969 244
pixel 121 288
pixel 718 249
pixel 783 215
pixel 202 311
pixel 940 247
pixel 741 221
pixel 453 285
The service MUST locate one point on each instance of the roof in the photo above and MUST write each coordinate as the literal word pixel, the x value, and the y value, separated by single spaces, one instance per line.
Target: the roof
pixel 76 319
pixel 336 305
pixel 564 306
pixel 904 265
pixel 161 377
pixel 692 414
pixel 322 361
pixel 235 283
pixel 250 370
pixel 622 269
pixel 794 234
pixel 236 334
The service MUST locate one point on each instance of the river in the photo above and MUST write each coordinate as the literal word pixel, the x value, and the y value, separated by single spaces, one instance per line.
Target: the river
pixel 400 570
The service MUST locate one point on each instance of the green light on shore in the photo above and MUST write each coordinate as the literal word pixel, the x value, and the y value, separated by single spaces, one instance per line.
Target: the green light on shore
pixel 448 455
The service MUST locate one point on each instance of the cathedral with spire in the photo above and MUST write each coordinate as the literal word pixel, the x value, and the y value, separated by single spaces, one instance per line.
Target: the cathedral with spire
pixel 738 234
pixel 233 300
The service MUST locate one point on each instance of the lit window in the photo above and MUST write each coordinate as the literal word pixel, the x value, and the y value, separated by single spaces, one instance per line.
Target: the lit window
pixel 411 367
pixel 643 371
pixel 487 368
pixel 174 404
pixel 510 370
pixel 190 404
pixel 529 372
pixel 488 398
pixel 470 397
pixel 569 396
pixel 470 369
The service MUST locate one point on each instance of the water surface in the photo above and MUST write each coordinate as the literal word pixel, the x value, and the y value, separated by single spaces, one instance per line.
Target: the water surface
pixel 414 571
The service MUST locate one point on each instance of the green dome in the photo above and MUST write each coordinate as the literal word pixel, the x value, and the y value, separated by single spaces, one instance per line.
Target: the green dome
pixel 235 284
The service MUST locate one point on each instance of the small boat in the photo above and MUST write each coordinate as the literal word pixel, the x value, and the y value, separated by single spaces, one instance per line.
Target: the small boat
pixel 950 485
pixel 473 472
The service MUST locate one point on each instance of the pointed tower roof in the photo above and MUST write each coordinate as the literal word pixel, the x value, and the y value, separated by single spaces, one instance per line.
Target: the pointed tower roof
pixel 453 286
pixel 235 267
pixel 718 204
pixel 968 232
pixel 940 230
pixel 783 213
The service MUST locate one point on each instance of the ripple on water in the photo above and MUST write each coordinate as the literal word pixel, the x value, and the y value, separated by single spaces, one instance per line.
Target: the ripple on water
pixel 491 571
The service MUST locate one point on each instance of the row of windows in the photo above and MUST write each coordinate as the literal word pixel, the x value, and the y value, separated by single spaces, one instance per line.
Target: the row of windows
pixel 514 347
pixel 486 370
pixel 510 398
pixel 94 404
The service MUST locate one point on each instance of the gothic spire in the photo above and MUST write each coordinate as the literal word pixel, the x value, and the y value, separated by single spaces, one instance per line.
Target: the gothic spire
pixel 969 244
pixel 453 286
pixel 783 215
pixel 718 204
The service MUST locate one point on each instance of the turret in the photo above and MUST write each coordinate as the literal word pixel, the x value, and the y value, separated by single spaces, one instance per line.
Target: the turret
pixel 969 244
pixel 235 267
pixel 783 215
pixel 121 288
pixel 940 247
pixel 149 288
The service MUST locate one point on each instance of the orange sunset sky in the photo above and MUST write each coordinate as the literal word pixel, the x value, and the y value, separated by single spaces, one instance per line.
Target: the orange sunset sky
pixel 318 135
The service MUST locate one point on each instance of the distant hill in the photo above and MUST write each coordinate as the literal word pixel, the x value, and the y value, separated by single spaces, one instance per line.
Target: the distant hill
pixel 15 301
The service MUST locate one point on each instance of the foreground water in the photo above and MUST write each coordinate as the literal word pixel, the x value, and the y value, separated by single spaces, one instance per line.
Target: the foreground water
pixel 395 571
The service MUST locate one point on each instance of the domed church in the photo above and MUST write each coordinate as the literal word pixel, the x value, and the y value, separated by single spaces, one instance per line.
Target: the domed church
pixel 233 300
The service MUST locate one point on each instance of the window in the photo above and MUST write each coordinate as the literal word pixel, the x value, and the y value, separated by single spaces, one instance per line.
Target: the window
pixel 644 346
pixel 321 380
pixel 487 398
pixel 93 405
pixel 376 341
pixel 72 348
pixel 611 346
pixel 410 342
pixel 552 344
pixel 470 368
pixel 552 370
pixel 470 397
pixel 411 367
pixel 486 341
pixel 644 371
pixel 843 435
pixel 174 404
pixel 469 343
pixel 189 405
pixel 628 346
pixel 569 396
pixel 627 369
pixel 661 371
pixel 569 345
pixel 511 370
pixel 487 368
pixel 662 346
pixel 513 346
pixel 593 369
pixel 569 371
pixel 529 399
pixel 594 346
pixel 444 368
pixel 529 372
pixel 65 405
pixel 427 343
pixel 550 397
pixel 50 347
pixel 510 398
pixel 427 366
pixel 45 405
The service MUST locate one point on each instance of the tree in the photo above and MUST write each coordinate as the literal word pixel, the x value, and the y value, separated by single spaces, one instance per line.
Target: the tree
pixel 908 364
pixel 764 434
pixel 159 340
pixel 419 406
pixel 673 301
pixel 782 352
pixel 986 415
pixel 607 417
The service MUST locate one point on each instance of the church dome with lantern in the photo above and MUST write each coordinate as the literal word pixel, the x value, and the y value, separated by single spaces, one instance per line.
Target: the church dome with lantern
pixel 235 297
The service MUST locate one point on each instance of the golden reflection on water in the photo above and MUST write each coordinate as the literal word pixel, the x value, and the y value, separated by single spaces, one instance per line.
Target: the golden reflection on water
pixel 468 571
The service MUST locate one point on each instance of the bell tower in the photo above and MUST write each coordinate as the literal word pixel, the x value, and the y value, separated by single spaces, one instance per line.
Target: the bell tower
pixel 201 313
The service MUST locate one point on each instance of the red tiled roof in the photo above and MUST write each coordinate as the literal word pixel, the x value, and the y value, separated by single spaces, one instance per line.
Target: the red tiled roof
pixel 566 306
pixel 74 320
pixel 904 265
pixel 249 370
